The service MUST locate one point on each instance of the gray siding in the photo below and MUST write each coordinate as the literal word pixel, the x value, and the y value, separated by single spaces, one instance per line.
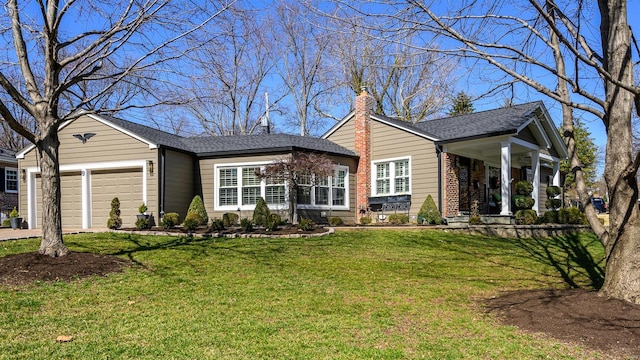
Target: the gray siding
pixel 179 182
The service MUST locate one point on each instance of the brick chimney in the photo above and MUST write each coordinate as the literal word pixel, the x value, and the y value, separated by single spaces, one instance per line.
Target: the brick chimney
pixel 363 111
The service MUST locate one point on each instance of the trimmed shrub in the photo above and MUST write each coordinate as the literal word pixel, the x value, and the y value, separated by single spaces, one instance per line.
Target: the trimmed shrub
pixel 217 225
pixel 475 220
pixel 365 220
pixel 550 217
pixel 305 224
pixel 115 221
pixel 246 225
pixel 526 217
pixel 6 223
pixel 170 220
pixel 273 222
pixel 553 191
pixel 197 207
pixel 572 216
pixel 524 187
pixel 398 219
pixel 429 213
pixel 142 208
pixel 142 223
pixel 191 221
pixel 261 212
pixel 523 202
pixel 335 221
pixel 552 202
pixel 230 219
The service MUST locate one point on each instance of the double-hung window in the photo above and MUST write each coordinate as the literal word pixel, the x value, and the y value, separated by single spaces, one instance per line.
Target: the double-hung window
pixel 392 177
pixel 251 185
pixel 11 180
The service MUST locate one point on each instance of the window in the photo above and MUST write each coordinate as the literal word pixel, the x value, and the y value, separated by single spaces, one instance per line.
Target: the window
pixel 251 184
pixel 274 191
pixel 392 177
pixel 339 189
pixel 228 187
pixel 11 180
pixel 238 187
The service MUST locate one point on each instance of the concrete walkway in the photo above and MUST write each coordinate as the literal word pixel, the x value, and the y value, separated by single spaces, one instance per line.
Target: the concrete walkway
pixel 10 234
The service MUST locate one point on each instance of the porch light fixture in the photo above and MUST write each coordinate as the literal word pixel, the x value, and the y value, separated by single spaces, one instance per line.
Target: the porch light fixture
pixel 23 174
pixel 150 164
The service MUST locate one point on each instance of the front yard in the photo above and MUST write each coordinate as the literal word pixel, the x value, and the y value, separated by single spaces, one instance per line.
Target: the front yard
pixel 350 295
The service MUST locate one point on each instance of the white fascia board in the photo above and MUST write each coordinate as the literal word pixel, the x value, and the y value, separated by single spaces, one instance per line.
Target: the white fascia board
pixel 422 135
pixel 555 139
pixel 337 126
pixel 104 121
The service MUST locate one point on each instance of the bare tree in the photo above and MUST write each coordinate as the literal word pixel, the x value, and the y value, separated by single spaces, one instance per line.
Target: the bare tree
pixel 406 81
pixel 304 66
pixel 127 42
pixel 533 41
pixel 231 73
pixel 296 170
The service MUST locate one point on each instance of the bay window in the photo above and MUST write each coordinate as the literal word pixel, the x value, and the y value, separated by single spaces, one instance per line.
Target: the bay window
pixel 238 187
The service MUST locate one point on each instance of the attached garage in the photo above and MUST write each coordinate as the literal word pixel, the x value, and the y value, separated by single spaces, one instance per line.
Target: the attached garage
pixel 126 185
pixel 71 199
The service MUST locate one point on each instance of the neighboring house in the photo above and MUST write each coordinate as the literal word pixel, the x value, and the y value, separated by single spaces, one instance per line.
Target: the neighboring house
pixel 458 160
pixel 8 181
pixel 102 157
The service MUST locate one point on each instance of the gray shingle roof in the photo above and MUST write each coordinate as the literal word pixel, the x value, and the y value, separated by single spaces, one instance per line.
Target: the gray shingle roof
pixel 239 144
pixel 480 124
pixel 231 145
pixel 7 155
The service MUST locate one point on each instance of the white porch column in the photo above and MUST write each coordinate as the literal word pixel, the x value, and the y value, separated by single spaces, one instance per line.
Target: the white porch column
pixel 505 177
pixel 86 198
pixel 535 169
pixel 32 215
pixel 556 173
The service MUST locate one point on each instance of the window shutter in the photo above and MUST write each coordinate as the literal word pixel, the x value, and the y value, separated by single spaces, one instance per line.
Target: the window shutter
pixel 2 180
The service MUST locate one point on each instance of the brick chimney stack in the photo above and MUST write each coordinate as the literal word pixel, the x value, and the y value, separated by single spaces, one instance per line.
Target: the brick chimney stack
pixel 364 109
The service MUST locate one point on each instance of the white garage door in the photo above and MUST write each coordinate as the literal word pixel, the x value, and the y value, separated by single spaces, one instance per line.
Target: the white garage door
pixel 71 200
pixel 126 185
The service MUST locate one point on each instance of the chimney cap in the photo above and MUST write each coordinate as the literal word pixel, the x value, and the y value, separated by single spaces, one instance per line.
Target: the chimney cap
pixel 364 89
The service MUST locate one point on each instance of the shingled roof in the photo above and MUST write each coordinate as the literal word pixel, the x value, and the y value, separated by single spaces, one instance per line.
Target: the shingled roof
pixel 230 145
pixel 506 120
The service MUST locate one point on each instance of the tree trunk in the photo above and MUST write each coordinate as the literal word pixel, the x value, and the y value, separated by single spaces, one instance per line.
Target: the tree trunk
pixel 622 243
pixel 51 244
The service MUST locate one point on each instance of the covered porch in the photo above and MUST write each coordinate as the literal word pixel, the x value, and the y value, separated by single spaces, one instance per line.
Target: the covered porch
pixel 480 174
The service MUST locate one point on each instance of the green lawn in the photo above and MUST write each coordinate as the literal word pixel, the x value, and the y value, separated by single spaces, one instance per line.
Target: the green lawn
pixel 351 295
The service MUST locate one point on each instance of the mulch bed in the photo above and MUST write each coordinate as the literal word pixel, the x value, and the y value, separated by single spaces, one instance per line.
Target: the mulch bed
pixel 575 316
pixel 27 268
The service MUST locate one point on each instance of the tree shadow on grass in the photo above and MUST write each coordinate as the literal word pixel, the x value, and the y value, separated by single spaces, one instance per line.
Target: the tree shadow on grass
pixel 570 257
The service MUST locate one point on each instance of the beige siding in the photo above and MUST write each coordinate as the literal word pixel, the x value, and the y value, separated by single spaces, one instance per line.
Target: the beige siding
pixel 179 182
pixel 345 135
pixel 108 145
pixel 389 143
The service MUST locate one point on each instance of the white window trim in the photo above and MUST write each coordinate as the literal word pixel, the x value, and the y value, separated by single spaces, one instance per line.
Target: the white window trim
pixel 17 180
pixel 392 176
pixel 263 185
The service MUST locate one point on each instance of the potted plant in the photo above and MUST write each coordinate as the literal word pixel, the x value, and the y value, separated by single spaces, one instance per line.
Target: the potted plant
pixel 142 221
pixel 15 219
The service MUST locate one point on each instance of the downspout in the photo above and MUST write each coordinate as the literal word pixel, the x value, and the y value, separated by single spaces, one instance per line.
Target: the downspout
pixel 162 181
pixel 439 156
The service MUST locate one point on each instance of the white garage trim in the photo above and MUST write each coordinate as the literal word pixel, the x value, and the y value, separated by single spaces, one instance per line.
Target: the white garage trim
pixel 85 171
